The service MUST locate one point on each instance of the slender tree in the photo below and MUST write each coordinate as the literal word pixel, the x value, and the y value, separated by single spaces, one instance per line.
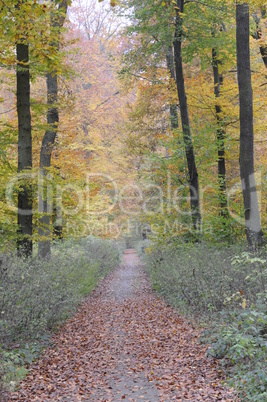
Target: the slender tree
pixel 24 243
pixel 252 216
pixel 218 80
pixel 189 150
pixel 44 245
pixel 171 69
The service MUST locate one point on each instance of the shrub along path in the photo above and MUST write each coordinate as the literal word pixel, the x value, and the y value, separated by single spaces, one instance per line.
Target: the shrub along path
pixel 124 343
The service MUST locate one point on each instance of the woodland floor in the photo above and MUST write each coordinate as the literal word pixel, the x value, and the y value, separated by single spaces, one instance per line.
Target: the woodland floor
pixel 124 343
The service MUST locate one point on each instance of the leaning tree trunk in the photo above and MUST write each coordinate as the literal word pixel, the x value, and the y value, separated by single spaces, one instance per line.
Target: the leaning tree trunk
pixel 24 243
pixel 173 108
pixel 190 157
pixel 220 136
pixel 252 215
pixel 44 232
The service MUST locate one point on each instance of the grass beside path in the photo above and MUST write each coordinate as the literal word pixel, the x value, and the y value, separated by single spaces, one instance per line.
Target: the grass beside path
pixel 37 296
pixel 224 288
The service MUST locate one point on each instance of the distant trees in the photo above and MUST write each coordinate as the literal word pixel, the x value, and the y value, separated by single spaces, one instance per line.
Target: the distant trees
pixel 258 17
pixel 160 27
pixel 170 31
pixel 173 62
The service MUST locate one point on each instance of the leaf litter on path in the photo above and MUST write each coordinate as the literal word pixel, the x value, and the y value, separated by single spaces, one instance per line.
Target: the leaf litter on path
pixel 124 344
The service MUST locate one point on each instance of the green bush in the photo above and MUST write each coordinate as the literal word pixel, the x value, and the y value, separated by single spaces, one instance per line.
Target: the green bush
pixel 241 340
pixel 225 288
pixel 38 295
pixel 204 279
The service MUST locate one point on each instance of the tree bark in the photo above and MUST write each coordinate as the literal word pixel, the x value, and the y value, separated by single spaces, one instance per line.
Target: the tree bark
pixel 170 66
pixel 252 215
pixel 44 231
pixel 218 79
pixel 190 157
pixel 44 246
pixel 258 35
pixel 24 243
pixel 263 50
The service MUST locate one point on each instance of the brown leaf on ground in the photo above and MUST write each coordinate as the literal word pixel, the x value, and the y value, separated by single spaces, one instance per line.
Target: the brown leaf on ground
pixel 124 343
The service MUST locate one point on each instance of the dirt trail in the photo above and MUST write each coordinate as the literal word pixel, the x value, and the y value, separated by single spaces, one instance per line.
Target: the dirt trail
pixel 124 343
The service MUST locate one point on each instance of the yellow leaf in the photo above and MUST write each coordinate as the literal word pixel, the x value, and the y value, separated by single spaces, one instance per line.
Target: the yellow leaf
pixel 244 303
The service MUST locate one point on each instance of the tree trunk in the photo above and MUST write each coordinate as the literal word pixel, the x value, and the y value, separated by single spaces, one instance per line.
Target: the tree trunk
pixel 252 216
pixel 44 244
pixel 263 50
pixel 170 66
pixel 218 79
pixel 24 243
pixel 190 157
pixel 258 35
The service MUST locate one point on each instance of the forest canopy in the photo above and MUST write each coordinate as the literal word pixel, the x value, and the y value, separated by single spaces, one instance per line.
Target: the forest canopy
pixel 117 115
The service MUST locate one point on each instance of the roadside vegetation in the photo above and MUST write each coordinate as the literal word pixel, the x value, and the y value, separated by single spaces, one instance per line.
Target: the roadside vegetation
pixel 114 113
pixel 224 290
pixel 37 296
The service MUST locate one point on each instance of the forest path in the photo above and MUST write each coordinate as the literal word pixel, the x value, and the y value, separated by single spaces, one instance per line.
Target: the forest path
pixel 124 343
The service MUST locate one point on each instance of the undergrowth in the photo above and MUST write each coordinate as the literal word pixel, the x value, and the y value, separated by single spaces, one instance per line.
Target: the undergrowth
pixel 226 289
pixel 37 296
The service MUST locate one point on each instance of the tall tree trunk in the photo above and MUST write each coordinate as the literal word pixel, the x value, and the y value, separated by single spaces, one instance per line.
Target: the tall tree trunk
pixel 252 216
pixel 170 66
pixel 24 243
pixel 190 157
pixel 218 79
pixel 44 244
